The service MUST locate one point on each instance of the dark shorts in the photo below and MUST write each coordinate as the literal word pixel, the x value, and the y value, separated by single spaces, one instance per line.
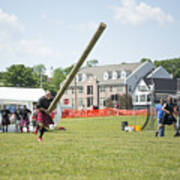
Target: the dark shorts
pixel 5 121
pixel 168 120
pixel 45 119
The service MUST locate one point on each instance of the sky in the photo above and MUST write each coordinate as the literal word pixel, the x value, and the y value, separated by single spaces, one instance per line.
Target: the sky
pixel 55 32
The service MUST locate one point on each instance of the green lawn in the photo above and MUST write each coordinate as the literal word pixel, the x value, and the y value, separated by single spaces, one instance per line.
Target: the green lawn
pixel 91 148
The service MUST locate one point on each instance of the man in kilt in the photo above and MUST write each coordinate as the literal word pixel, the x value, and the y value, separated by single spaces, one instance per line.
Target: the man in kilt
pixel 43 118
pixel 169 117
pixel 5 118
pixel 18 117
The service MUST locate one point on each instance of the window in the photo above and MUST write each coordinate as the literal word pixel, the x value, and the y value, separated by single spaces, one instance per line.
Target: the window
pixel 136 99
pixel 102 88
pixel 72 90
pixel 80 102
pixel 89 101
pixel 120 88
pixel 80 88
pixel 79 77
pixel 149 98
pixel 142 88
pixel 123 74
pixel 66 92
pixel 111 88
pixel 114 97
pixel 114 75
pixel 142 98
pixel 89 90
pixel 102 102
pixel 106 76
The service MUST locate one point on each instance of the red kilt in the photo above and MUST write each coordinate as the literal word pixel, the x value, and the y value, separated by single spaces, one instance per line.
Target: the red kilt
pixel 5 121
pixel 24 122
pixel 45 119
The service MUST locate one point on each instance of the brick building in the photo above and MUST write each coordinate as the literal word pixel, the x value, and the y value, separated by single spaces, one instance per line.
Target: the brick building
pixel 93 85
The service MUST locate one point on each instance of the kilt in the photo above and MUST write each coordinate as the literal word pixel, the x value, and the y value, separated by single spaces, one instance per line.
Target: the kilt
pixel 24 122
pixel 45 119
pixel 5 121
pixel 168 119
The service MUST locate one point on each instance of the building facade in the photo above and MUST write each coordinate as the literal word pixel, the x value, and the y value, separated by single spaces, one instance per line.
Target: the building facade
pixel 93 85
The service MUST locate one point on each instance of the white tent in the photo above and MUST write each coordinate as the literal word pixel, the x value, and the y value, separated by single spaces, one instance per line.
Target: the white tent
pixel 13 95
pixel 27 96
pixel 22 96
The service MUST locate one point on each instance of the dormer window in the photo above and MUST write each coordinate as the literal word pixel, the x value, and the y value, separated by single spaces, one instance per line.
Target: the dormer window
pixel 116 75
pixel 79 79
pixel 123 74
pixel 107 75
pixel 84 77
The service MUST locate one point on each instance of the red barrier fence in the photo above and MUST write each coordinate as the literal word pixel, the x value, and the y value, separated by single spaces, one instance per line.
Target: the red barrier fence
pixel 68 113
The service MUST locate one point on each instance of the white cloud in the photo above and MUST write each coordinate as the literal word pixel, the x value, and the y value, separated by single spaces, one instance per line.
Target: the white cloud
pixel 43 16
pixel 10 27
pixel 13 45
pixel 10 20
pixel 130 12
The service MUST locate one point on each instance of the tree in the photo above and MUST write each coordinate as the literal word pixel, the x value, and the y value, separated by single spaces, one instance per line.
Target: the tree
pixel 67 70
pixel 123 101
pixel 145 59
pixel 171 65
pixel 39 69
pixel 2 78
pixel 20 76
pixel 58 77
pixel 92 63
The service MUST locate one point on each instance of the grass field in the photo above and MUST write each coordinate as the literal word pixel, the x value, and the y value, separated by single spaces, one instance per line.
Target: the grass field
pixel 91 148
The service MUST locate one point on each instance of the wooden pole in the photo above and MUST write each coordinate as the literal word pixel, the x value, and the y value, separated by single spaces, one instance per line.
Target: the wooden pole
pixel 75 94
pixel 75 69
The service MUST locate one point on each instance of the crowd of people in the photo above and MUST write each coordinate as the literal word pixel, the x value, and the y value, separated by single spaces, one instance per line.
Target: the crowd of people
pixel 167 114
pixel 20 118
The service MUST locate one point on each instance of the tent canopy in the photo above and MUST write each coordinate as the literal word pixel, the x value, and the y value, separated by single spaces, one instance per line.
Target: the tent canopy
pixel 13 94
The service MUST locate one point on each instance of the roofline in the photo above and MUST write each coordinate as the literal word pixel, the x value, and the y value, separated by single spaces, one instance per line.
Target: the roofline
pixel 128 63
pixel 140 66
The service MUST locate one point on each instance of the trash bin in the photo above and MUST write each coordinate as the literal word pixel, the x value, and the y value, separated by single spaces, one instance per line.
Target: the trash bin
pixel 123 125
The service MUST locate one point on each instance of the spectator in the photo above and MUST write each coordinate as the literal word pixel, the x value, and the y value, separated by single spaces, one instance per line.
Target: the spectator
pixel 24 122
pixel 18 117
pixel 169 115
pixel 5 118
pixel 159 115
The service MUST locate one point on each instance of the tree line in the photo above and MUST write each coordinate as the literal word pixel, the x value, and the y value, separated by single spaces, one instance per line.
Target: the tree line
pixel 20 75
pixel 33 77
pixel 171 65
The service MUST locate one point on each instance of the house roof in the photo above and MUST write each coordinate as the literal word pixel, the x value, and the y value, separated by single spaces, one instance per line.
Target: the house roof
pixel 159 72
pixel 98 71
pixel 162 85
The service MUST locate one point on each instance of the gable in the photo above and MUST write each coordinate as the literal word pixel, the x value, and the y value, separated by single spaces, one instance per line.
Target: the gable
pixel 159 72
